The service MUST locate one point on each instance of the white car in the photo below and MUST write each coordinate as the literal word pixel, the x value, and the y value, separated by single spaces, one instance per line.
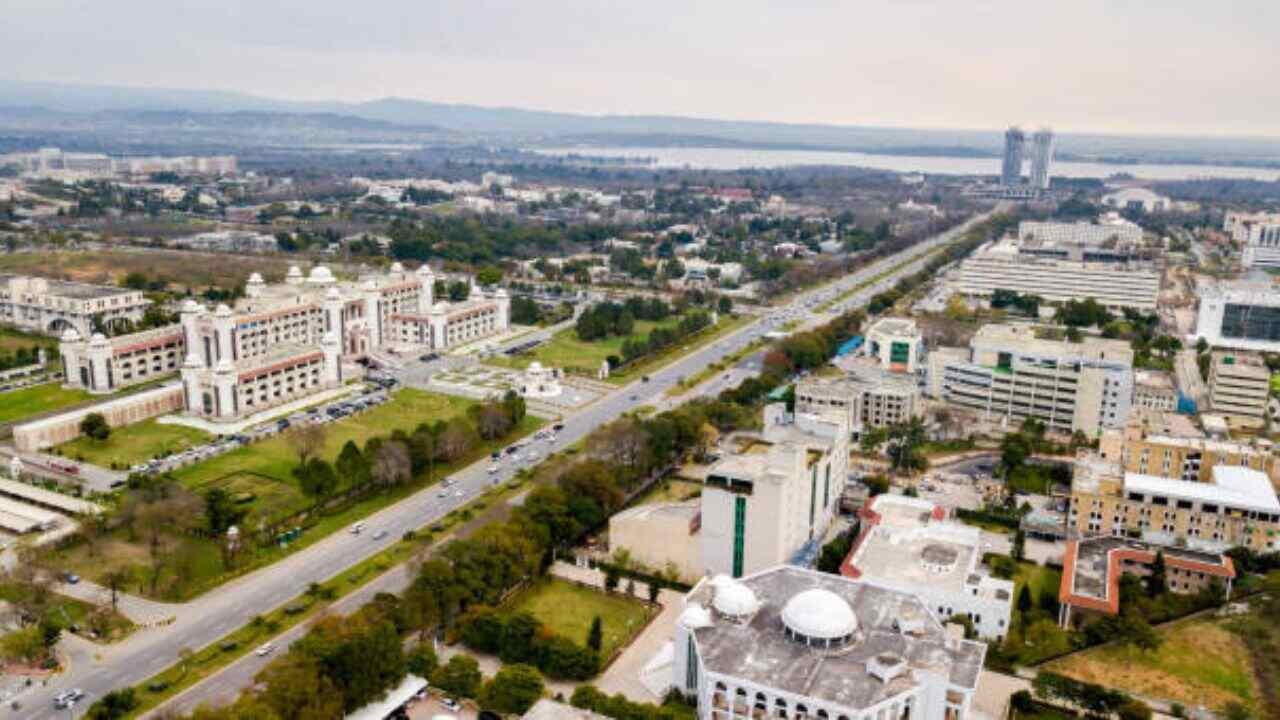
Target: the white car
pixel 264 650
pixel 357 528
pixel 494 469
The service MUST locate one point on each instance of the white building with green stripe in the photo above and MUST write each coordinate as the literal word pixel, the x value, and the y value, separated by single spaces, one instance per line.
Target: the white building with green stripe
pixel 773 492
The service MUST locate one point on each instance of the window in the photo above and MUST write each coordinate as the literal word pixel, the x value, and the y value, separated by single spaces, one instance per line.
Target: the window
pixel 739 533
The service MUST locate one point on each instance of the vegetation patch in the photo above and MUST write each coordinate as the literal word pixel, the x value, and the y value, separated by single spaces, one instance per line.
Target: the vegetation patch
pixel 569 609
pixel 127 446
pixel 24 402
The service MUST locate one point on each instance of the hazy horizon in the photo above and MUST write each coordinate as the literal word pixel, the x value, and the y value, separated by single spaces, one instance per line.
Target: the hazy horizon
pixel 1095 67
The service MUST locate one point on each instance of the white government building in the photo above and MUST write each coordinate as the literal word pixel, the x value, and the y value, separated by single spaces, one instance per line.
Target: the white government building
pixel 285 341
pixel 47 306
pixel 795 644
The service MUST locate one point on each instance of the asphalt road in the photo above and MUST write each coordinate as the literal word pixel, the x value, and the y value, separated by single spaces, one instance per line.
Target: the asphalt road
pixel 214 614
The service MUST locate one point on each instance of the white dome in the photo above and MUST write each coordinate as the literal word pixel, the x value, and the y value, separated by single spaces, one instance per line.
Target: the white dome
pixel 733 598
pixel 255 279
pixel 320 275
pixel 294 272
pixel 98 338
pixel 70 335
pixel 397 267
pixel 333 294
pixel 222 310
pixel 819 614
pixel 425 270
pixel 191 306
pixel 695 616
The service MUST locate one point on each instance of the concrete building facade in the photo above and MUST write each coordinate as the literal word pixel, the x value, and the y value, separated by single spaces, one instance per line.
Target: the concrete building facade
pixel 867 397
pixel 52 307
pixel 1192 458
pixel 1239 315
pixel 1239 385
pixel 103 365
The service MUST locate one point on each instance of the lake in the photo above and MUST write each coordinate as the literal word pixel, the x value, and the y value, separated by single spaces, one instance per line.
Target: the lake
pixel 738 158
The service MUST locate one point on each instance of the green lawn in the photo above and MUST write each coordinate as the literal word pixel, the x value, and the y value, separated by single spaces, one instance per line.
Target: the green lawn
pixel 568 610
pixel 565 350
pixel 68 612
pixel 11 340
pixel 133 444
pixel 22 403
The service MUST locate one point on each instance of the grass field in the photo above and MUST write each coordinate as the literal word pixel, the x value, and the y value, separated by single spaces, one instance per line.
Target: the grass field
pixel 670 491
pixel 1200 662
pixel 11 340
pixel 175 267
pixel 28 401
pixel 565 350
pixel 133 444
pixel 568 610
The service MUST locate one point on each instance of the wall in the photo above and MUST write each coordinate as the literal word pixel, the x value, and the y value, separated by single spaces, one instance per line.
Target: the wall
pixel 57 429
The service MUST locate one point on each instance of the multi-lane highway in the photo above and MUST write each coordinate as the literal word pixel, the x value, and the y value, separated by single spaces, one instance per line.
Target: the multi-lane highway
pixel 209 617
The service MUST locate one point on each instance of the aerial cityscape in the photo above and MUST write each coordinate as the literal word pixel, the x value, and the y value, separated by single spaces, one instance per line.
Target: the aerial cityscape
pixel 483 361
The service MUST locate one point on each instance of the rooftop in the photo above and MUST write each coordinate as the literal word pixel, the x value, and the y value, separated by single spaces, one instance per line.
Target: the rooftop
pixel 757 649
pixel 72 290
pixel 1237 487
pixel 548 709
pixel 1021 339
pixel 894 326
pixel 1092 568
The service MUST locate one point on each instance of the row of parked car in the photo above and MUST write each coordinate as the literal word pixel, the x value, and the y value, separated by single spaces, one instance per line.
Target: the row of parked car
pixel 374 394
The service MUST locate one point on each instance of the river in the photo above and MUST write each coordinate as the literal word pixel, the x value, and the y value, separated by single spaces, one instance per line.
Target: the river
pixel 738 158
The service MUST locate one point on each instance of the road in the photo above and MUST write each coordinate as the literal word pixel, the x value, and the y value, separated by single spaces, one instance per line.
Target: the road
pixel 214 614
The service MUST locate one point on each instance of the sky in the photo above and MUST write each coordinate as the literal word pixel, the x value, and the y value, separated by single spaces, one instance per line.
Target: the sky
pixel 1124 66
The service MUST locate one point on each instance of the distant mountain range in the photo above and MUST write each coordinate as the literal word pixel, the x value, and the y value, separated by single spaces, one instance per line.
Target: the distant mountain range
pixel 240 116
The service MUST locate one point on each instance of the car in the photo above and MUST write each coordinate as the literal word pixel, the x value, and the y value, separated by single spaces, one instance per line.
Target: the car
pixel 380 534
pixel 634 397
pixel 495 455
pixel 264 649
pixel 493 469
pixel 458 494
pixel 355 529
pixel 558 426
pixel 451 704
pixel 70 578
pixel 447 482
pixel 442 493
pixel 644 378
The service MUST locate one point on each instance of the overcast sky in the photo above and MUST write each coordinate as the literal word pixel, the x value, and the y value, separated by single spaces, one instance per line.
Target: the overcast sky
pixel 1171 66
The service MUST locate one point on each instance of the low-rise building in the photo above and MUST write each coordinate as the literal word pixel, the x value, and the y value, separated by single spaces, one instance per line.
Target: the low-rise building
pixel 1011 374
pixel 1091 570
pixel 1154 390
pixel 42 305
pixel 908 544
pixel 1145 447
pixel 774 492
pixel 661 536
pixel 1258 235
pixel 896 343
pixel 1136 198
pixel 789 643
pixel 1005 265
pixel 1237 506
pixel 1239 315
pixel 868 396
pixel 1239 385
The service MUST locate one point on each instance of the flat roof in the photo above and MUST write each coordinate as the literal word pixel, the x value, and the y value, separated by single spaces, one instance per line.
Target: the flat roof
pixel 397 696
pixel 757 649
pixel 1239 487
pixel 41 496
pixel 548 709
pixel 1021 339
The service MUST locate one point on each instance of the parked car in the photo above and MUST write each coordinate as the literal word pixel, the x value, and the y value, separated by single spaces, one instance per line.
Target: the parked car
pixel 264 650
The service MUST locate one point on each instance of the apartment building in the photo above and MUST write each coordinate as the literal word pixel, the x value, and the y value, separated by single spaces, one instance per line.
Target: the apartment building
pixel 867 397
pixel 1239 384
pixel 1154 390
pixel 1239 315
pixel 1236 506
pixel 1142 448
pixel 1011 374
pixel 774 492
pixel 908 544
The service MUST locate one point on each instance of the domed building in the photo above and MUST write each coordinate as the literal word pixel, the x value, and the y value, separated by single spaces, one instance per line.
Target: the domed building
pixel 793 644
pixel 284 341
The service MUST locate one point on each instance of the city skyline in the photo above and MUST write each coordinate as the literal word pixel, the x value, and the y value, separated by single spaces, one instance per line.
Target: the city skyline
pixel 916 65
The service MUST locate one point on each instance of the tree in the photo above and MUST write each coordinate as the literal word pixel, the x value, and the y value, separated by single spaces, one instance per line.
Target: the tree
pixel 1024 600
pixel 513 690
pixel 95 427
pixel 654 588
pixel 595 637
pixel 113 705
pixel 351 465
pixel 391 463
pixel 422 660
pixel 1157 582
pixel 610 580
pixel 316 478
pixel 220 510
pixel 306 440
pixel 1019 545
pixel 460 676
pixel 114 580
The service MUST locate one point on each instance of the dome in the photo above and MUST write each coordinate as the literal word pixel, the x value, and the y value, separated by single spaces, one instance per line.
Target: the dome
pixel 425 270
pixel 255 279
pixel 695 616
pixel 320 275
pixel 222 310
pixel 535 367
pixel 397 267
pixel 70 335
pixel 732 598
pixel 98 338
pixel 819 614
pixel 333 294
pixel 294 272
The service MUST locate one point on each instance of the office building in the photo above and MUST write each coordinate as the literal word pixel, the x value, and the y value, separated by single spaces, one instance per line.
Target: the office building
pixel 869 396
pixel 907 544
pixel 1154 390
pixel 1015 143
pixel 1115 241
pixel 1239 385
pixel 773 493
pixel 52 307
pixel 1258 235
pixel 795 644
pixel 1239 315
pixel 1091 570
pixel 1237 506
pixel 1011 374
pixel 282 342
pixel 1041 158
pixel 1136 198
pixel 1147 448
pixel 896 343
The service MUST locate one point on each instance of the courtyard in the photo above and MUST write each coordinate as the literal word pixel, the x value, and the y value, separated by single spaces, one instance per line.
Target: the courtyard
pixel 568 609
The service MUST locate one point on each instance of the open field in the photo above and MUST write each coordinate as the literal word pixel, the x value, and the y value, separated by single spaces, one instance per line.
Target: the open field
pixel 25 402
pixel 565 350
pixel 568 610
pixel 178 268
pixel 133 444
pixel 1200 662
pixel 11 340
pixel 650 363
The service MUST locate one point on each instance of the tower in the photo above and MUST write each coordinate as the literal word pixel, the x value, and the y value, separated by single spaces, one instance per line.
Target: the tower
pixel 1014 149
pixel 1041 158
